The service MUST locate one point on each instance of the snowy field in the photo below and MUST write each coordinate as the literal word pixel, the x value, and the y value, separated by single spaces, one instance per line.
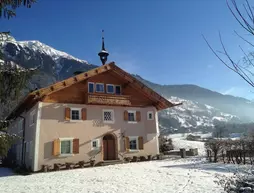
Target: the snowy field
pixel 175 175
pixel 167 176
pixel 180 142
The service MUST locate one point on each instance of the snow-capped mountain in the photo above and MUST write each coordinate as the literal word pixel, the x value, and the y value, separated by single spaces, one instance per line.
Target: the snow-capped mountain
pixel 201 109
pixel 54 64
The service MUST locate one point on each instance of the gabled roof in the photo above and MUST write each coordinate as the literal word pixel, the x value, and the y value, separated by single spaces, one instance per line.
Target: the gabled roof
pixel 38 95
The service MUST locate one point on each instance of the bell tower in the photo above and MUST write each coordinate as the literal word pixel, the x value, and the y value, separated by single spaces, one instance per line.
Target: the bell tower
pixel 103 53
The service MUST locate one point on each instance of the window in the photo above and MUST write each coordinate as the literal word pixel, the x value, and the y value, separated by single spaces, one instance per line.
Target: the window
pixel 133 143
pixel 149 115
pixel 90 87
pixel 108 116
pixel 118 90
pixel 110 89
pixel 99 87
pixel 32 118
pixel 95 144
pixel 132 116
pixel 75 114
pixel 66 146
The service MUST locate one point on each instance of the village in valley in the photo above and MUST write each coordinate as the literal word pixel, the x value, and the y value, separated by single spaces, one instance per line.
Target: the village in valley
pixel 112 123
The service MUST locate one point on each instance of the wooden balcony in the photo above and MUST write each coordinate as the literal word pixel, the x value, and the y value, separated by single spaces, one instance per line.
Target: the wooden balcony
pixel 108 99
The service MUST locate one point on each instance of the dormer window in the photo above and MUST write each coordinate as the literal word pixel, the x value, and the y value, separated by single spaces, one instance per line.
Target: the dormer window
pixel 118 89
pixel 99 87
pixel 110 89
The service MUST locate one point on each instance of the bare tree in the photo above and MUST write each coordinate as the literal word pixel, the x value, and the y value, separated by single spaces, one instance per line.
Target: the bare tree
pixel 215 146
pixel 244 15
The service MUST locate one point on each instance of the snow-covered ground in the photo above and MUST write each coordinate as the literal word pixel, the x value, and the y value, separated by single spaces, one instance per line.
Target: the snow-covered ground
pixel 175 175
pixel 167 176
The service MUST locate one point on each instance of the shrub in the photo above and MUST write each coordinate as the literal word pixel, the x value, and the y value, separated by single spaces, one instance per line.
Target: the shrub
pixel 165 144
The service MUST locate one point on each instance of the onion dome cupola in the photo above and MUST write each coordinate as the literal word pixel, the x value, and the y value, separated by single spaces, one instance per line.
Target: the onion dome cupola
pixel 103 53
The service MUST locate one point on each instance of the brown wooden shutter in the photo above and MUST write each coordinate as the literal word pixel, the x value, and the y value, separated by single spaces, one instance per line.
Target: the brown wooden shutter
pixel 127 144
pixel 56 147
pixel 67 114
pixel 140 143
pixel 75 149
pixel 125 115
pixel 84 114
pixel 138 116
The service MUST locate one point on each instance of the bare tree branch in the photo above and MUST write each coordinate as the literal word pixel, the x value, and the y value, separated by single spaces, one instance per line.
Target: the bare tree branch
pixel 246 20
pixel 232 65
pixel 240 18
pixel 244 39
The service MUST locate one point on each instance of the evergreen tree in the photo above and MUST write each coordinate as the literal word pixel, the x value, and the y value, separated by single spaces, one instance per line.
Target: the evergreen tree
pixel 8 7
pixel 13 79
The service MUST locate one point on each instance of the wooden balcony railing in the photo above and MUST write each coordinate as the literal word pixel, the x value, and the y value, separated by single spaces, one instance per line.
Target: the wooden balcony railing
pixel 107 99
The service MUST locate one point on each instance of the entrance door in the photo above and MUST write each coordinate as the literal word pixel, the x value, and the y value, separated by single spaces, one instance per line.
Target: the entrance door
pixel 109 147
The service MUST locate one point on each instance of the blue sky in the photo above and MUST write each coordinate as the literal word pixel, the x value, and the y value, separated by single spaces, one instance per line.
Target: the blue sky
pixel 159 40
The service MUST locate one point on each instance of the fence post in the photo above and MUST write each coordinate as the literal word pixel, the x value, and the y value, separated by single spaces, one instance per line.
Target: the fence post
pixel 183 153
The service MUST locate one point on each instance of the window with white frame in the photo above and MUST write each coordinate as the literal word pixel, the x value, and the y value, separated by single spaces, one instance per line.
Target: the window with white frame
pixel 150 115
pixel 118 89
pixel 110 89
pixel 99 87
pixel 66 146
pixel 75 114
pixel 32 118
pixel 132 116
pixel 95 144
pixel 133 143
pixel 90 87
pixel 108 116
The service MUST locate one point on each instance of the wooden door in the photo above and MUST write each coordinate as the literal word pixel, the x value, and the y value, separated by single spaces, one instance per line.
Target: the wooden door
pixel 105 149
pixel 109 150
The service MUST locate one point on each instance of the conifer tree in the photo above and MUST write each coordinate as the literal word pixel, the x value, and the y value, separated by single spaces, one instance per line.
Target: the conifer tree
pixel 8 7
pixel 13 78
